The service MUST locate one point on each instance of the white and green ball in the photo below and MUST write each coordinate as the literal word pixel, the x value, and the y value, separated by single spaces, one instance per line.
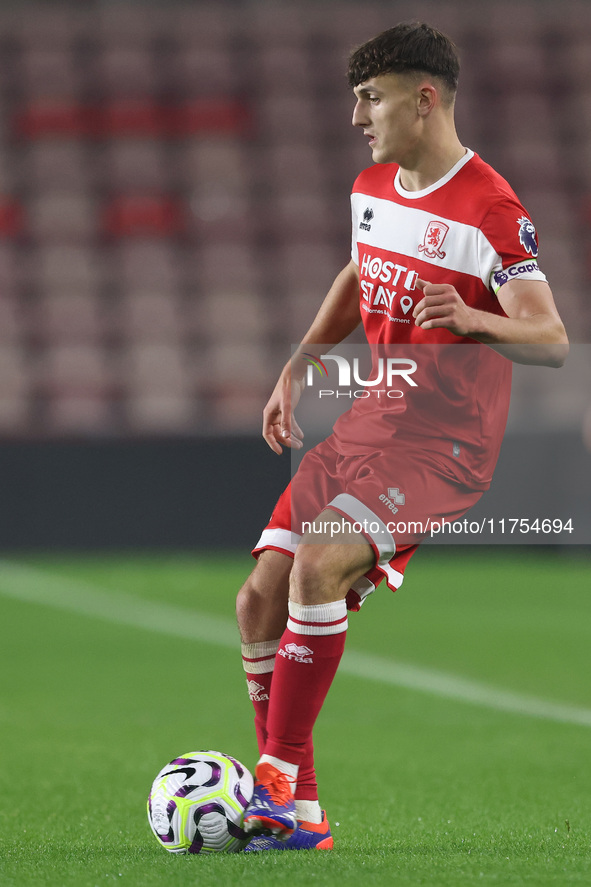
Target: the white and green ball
pixel 197 803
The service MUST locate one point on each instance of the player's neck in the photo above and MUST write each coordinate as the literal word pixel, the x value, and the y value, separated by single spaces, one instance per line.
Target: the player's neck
pixel 431 165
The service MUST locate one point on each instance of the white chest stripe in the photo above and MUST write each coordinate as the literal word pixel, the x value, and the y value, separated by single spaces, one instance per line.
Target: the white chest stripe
pixel 420 235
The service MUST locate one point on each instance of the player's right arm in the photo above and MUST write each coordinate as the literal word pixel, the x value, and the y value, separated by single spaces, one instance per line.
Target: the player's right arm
pixel 337 317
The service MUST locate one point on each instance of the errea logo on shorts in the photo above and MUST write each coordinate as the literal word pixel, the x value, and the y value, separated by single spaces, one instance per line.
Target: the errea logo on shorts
pixel 393 499
pixel 296 653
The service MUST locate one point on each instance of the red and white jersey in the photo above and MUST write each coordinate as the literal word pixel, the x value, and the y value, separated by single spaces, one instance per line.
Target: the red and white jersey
pixel 469 230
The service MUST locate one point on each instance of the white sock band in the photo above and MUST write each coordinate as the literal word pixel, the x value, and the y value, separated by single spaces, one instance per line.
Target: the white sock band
pixel 259 658
pixel 318 619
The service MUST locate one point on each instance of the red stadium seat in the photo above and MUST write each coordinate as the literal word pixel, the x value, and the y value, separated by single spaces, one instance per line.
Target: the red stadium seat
pixel 133 215
pixel 126 117
pixel 131 117
pixel 57 117
pixel 12 218
pixel 221 115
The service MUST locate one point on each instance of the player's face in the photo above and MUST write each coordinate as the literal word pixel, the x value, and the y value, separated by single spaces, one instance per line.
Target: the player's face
pixel 386 110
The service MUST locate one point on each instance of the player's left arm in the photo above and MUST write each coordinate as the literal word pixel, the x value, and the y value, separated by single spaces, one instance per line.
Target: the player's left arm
pixel 532 332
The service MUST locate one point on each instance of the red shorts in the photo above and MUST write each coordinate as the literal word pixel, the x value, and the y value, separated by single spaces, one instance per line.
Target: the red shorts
pixel 393 497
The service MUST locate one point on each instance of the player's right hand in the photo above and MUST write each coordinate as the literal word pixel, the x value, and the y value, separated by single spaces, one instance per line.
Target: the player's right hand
pixel 280 428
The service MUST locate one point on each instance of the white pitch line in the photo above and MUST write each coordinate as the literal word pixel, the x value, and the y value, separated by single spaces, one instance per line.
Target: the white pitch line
pixel 38 587
pixel 29 584
pixel 439 683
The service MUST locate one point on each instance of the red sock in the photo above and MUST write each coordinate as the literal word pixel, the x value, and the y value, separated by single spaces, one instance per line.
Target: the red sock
pixel 307 787
pixel 306 663
pixel 259 662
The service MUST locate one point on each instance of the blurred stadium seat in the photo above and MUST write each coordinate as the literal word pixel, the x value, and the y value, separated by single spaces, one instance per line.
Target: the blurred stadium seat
pixel 62 216
pixel 151 317
pixel 53 164
pixel 49 72
pixel 129 215
pixel 125 72
pixel 63 317
pixel 174 190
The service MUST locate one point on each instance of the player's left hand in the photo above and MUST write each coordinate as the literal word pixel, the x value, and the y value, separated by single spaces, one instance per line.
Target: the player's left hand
pixel 442 307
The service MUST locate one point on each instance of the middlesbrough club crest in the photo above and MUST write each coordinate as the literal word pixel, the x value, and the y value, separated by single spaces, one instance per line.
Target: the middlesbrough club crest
pixel 433 240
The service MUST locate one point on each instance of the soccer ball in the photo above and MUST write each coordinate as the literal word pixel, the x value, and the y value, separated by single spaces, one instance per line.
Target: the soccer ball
pixel 197 803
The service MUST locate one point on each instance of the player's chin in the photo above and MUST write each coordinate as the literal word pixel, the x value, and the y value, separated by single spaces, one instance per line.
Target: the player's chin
pixel 379 156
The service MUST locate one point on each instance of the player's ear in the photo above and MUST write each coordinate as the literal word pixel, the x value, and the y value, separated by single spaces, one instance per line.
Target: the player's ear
pixel 426 99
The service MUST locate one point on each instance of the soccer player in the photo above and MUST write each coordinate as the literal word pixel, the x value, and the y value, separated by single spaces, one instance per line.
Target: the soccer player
pixel 443 255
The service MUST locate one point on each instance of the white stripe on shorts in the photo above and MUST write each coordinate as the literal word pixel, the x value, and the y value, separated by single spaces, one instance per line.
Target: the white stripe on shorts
pixel 275 537
pixel 394 579
pixel 374 527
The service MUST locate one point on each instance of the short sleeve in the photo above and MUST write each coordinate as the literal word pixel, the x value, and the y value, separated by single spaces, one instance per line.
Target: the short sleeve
pixel 509 230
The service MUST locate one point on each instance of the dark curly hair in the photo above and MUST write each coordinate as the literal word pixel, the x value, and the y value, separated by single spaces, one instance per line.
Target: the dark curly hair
pixel 407 47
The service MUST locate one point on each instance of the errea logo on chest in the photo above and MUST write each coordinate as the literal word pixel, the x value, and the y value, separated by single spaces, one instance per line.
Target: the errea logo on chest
pixel 367 217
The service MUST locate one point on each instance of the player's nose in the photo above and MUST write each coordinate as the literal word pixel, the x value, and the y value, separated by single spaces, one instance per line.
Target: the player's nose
pixel 360 117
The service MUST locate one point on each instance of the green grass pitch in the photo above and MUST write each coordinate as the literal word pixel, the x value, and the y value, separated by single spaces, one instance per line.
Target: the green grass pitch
pixel 421 788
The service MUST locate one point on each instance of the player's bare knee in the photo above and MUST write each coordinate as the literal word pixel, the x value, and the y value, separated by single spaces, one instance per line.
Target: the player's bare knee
pixel 317 577
pixel 244 601
pixel 324 572
pixel 306 579
pixel 261 603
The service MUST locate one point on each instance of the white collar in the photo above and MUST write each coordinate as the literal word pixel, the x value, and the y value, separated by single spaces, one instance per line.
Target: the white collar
pixel 416 195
